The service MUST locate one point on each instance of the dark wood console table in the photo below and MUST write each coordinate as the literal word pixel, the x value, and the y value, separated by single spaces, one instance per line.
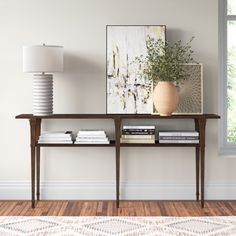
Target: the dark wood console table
pixel 35 130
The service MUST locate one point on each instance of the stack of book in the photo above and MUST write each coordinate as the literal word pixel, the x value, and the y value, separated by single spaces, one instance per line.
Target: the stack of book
pixel 91 137
pixel 138 134
pixel 178 137
pixel 57 137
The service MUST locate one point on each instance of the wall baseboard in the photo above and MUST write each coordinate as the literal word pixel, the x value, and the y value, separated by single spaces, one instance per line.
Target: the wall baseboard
pixel 21 190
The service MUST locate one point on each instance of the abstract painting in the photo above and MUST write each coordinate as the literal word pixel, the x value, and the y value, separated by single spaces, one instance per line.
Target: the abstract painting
pixel 128 90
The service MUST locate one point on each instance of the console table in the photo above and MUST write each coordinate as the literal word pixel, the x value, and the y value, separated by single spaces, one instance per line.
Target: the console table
pixel 35 130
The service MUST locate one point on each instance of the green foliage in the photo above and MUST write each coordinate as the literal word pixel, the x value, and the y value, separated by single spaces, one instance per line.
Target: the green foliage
pixel 229 7
pixel 231 73
pixel 231 88
pixel 163 60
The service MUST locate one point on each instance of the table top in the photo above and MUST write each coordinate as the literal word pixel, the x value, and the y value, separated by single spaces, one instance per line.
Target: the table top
pixel 121 116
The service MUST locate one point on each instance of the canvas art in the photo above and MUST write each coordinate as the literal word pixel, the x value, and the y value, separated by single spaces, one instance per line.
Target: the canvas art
pixel 128 90
pixel 190 91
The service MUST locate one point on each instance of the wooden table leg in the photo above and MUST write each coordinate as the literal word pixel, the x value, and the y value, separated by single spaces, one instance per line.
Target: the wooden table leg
pixel 202 126
pixel 197 173
pixel 32 145
pixel 38 132
pixel 197 160
pixel 202 175
pixel 117 134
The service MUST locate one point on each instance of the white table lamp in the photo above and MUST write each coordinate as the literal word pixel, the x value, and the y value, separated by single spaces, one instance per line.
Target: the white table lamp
pixel 41 59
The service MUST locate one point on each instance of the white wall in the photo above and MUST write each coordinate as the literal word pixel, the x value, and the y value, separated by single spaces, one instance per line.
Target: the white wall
pixel 80 26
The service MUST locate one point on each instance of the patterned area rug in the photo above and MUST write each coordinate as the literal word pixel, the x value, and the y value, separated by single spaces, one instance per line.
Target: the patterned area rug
pixel 118 226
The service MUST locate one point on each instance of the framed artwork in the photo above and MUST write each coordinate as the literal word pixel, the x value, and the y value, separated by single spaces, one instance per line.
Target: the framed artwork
pixel 128 91
pixel 190 91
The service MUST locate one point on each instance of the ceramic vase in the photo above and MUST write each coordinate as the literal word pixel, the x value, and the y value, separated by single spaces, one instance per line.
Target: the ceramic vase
pixel 165 98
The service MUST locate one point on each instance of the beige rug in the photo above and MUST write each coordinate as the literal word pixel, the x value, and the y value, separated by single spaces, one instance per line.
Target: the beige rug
pixel 118 226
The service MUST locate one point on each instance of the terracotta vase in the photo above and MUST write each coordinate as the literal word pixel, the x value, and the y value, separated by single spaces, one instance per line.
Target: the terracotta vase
pixel 165 98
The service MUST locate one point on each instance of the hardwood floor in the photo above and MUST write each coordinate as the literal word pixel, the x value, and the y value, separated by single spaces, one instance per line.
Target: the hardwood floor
pixel 108 208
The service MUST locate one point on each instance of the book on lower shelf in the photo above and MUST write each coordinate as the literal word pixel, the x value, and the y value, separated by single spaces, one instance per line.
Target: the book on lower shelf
pixel 178 133
pixel 55 142
pixel 138 134
pixel 91 137
pixel 92 142
pixel 91 133
pixel 138 130
pixel 178 136
pixel 124 140
pixel 137 127
pixel 56 137
pixel 135 136
pixel 178 141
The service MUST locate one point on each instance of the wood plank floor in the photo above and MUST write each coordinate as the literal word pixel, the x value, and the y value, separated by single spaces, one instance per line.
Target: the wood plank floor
pixel 127 208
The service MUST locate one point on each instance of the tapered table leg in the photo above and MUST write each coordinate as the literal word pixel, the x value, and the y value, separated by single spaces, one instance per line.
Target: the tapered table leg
pixel 117 132
pixel 202 127
pixel 197 158
pixel 38 172
pixel 33 176
pixel 197 173
pixel 202 175
pixel 32 145
pixel 38 131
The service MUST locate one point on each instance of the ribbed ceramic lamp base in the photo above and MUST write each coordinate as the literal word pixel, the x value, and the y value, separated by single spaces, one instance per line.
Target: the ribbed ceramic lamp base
pixel 43 95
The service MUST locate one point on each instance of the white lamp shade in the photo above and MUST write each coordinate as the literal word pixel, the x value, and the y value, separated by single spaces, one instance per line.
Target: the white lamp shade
pixel 42 58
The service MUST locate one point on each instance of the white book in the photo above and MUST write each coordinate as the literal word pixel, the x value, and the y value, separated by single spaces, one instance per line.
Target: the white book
pixel 139 127
pixel 56 134
pixel 91 135
pixel 55 138
pixel 178 141
pixel 178 137
pixel 91 131
pixel 55 142
pixel 178 133
pixel 92 142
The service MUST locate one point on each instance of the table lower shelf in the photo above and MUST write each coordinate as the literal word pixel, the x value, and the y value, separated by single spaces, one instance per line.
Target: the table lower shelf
pixel 113 144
